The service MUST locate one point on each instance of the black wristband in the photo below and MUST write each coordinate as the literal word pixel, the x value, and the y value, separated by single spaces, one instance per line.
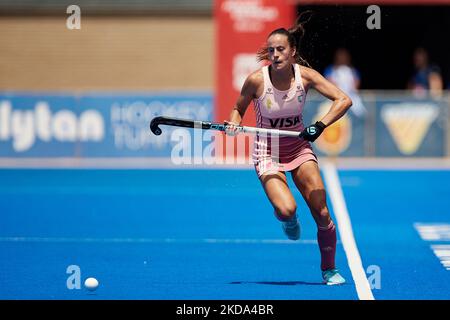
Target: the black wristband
pixel 321 125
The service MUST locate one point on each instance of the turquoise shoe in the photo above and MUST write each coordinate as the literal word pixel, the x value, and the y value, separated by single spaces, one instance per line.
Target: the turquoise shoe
pixel 291 229
pixel 332 277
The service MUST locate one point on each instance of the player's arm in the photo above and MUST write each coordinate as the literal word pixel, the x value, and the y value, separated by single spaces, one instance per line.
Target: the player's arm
pixel 341 102
pixel 248 93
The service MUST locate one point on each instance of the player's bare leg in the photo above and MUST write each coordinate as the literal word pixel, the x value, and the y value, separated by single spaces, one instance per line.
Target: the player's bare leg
pixel 277 190
pixel 310 184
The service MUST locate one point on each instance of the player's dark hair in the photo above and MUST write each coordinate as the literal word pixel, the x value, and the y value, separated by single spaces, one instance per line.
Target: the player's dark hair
pixel 294 35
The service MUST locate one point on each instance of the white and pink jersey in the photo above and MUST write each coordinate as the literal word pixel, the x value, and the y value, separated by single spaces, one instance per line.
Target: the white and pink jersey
pixel 277 109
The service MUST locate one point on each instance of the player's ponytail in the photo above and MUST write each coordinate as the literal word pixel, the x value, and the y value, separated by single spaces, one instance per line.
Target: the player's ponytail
pixel 294 35
pixel 297 31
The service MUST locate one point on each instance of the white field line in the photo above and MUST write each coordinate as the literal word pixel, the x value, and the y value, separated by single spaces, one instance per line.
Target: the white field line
pixel 346 233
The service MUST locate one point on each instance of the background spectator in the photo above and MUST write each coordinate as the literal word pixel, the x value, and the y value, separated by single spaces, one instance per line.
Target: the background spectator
pixel 427 77
pixel 346 77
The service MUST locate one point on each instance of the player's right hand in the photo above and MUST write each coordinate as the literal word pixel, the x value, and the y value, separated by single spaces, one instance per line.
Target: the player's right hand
pixel 231 128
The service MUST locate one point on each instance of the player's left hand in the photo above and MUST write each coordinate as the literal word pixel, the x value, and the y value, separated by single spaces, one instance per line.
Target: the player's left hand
pixel 312 132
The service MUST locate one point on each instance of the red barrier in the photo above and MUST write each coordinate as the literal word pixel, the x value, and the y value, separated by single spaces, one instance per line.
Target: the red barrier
pixel 242 27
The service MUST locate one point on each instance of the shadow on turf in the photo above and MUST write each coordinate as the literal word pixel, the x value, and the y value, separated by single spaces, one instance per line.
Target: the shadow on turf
pixel 280 283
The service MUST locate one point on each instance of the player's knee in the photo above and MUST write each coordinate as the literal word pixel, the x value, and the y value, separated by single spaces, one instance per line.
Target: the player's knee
pixel 286 211
pixel 322 215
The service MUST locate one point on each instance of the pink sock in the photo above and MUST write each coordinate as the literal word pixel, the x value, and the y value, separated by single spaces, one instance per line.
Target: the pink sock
pixel 326 236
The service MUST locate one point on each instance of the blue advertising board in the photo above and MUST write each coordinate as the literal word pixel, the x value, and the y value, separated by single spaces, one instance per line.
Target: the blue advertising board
pixel 96 125
pixel 410 127
pixel 117 126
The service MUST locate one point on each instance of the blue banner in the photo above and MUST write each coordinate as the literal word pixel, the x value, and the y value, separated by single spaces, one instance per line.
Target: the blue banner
pixel 107 125
pixel 96 125
pixel 410 127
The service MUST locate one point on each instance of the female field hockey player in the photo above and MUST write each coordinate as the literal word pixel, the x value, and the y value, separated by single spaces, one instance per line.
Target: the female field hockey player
pixel 278 91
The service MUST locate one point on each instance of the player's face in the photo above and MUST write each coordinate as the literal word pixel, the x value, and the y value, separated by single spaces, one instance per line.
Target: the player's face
pixel 280 52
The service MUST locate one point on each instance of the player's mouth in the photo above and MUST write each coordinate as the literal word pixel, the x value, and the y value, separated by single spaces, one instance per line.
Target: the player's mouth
pixel 277 62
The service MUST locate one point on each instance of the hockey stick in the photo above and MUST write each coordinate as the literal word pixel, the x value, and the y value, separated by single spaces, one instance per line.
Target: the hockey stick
pixel 205 125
